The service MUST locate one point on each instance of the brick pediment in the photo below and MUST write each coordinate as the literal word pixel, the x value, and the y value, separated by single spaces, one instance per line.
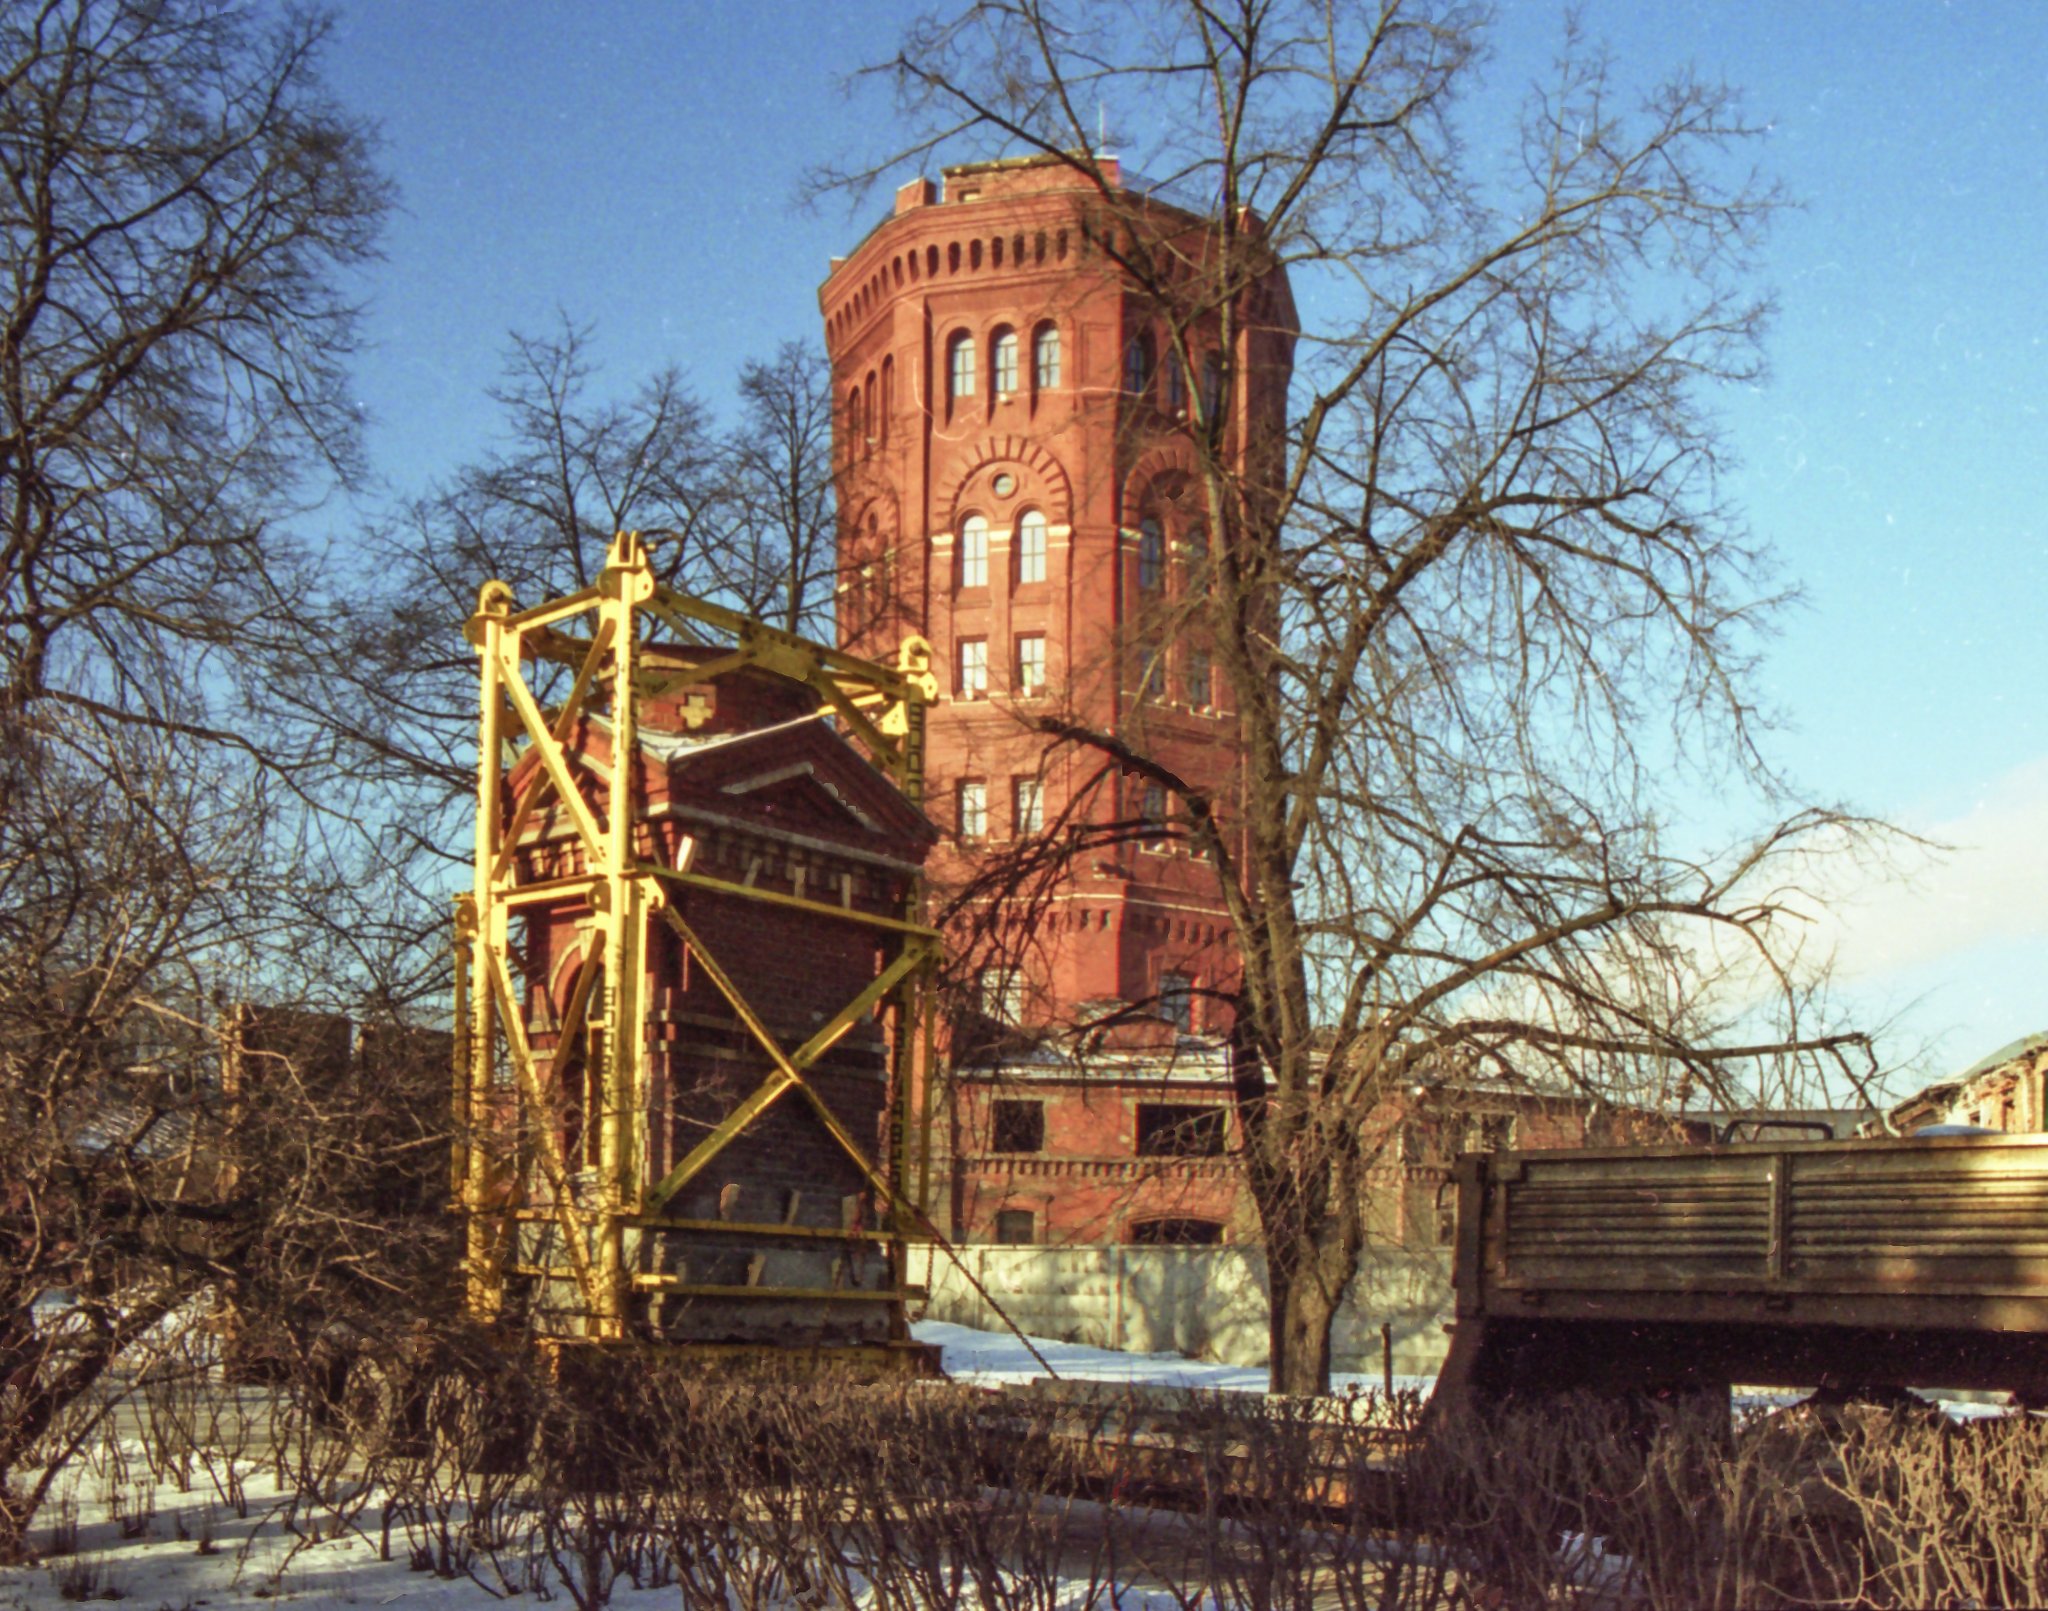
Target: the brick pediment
pixel 802 778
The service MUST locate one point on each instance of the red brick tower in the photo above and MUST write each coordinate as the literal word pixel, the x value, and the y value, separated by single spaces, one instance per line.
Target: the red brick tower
pixel 1016 483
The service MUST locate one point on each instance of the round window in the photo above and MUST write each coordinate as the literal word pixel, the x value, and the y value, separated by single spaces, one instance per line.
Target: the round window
pixel 1005 484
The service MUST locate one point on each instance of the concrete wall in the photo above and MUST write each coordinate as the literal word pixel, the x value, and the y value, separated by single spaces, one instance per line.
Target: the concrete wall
pixel 1208 1303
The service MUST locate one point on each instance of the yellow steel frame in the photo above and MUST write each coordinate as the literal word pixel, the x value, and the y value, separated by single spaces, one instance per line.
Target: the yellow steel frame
pixel 627 613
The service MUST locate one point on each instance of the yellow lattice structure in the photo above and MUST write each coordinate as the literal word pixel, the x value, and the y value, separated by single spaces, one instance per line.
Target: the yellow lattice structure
pixel 621 641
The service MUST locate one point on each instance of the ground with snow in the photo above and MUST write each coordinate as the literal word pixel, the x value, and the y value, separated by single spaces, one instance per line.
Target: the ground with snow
pixel 153 1546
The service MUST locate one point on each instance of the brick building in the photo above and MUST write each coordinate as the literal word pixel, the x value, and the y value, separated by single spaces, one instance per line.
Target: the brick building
pixel 1016 484
pixel 2006 1091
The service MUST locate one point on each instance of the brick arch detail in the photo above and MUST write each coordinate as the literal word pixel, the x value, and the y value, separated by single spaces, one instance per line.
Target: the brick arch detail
pixel 1165 458
pixel 1044 479
pixel 881 502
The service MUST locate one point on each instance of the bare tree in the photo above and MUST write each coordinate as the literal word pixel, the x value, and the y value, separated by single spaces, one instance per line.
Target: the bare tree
pixel 183 207
pixel 780 560
pixel 1479 608
pixel 743 517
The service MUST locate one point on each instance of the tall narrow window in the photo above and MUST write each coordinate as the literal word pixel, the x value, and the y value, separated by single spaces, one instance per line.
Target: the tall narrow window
pixel 1152 815
pixel 1176 384
pixel 1027 801
pixel 974 552
pixel 973 809
pixel 1212 386
pixel 1030 665
pixel 960 365
pixel 856 424
pixel 1045 357
pixel 1199 677
pixel 1151 556
pixel 973 683
pixel 1138 363
pixel 1031 547
pixel 1005 355
pixel 888 402
pixel 1002 1000
pixel 1177 1001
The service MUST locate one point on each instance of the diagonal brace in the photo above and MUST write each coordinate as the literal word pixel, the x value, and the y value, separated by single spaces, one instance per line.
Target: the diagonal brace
pixel 572 707
pixel 552 1163
pixel 788 1066
pixel 551 757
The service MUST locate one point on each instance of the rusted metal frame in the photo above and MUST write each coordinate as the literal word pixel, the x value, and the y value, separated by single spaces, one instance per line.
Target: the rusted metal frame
pixel 574 1228
pixel 788 1066
pixel 928 991
pixel 551 757
pixel 565 718
pixel 889 1192
pixel 796 903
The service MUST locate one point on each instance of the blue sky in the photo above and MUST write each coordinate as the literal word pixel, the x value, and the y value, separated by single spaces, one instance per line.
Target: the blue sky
pixel 634 164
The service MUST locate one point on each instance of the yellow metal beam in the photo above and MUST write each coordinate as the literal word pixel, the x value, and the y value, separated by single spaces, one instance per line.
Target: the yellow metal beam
pixel 552 756
pixel 770 897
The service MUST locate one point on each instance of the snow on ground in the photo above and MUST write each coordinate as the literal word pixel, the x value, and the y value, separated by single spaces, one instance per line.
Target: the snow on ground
pixel 994 1359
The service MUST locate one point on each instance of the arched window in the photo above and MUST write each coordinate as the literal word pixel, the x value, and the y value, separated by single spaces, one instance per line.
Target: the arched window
pixel 974 552
pixel 870 417
pixel 1004 356
pixel 1176 384
pixel 1212 386
pixel 1045 357
pixel 888 401
pixel 961 361
pixel 1138 363
pixel 1031 546
pixel 1151 556
pixel 855 425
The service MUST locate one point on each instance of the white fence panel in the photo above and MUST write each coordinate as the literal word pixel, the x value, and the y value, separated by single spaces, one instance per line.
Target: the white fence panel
pixel 1205 1302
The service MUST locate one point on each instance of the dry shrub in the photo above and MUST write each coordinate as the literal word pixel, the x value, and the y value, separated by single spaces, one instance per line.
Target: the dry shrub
pixel 751 1491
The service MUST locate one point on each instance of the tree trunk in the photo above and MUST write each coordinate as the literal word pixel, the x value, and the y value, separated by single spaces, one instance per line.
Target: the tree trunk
pixel 1300 1319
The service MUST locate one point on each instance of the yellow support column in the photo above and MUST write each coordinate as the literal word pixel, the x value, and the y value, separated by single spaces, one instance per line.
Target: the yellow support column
pixel 487 932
